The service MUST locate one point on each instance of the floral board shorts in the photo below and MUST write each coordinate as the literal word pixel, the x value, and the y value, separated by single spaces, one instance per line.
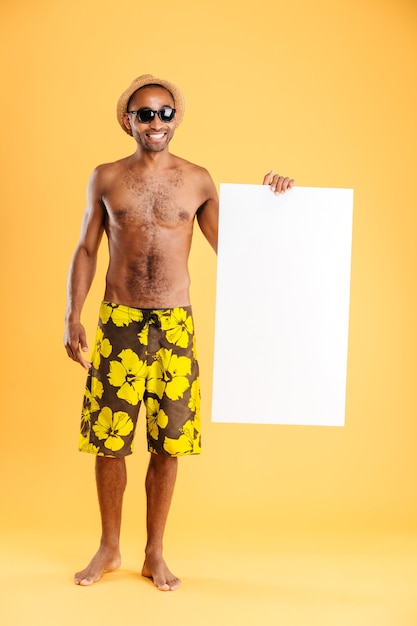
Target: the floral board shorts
pixel 149 355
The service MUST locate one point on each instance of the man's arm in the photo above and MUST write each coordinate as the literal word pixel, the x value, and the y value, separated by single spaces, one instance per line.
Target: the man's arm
pixel 82 270
pixel 208 213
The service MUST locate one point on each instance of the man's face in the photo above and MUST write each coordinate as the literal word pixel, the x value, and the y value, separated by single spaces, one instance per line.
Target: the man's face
pixel 155 136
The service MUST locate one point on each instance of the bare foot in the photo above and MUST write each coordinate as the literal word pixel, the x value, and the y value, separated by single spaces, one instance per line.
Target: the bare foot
pixel 104 561
pixel 156 569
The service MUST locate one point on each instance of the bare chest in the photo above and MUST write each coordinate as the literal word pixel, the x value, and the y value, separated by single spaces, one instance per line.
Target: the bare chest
pixel 143 202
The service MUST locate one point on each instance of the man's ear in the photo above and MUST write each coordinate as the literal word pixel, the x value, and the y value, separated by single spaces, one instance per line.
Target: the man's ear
pixel 126 123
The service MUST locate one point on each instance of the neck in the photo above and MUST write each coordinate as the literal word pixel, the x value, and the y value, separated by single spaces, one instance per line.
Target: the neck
pixel 151 159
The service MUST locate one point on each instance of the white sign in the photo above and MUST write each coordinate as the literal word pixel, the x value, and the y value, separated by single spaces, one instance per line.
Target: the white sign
pixel 282 308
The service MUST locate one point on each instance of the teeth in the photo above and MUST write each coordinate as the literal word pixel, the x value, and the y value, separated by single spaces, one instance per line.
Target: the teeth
pixel 157 136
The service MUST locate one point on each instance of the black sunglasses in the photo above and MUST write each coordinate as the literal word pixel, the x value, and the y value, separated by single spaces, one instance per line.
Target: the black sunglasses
pixel 146 116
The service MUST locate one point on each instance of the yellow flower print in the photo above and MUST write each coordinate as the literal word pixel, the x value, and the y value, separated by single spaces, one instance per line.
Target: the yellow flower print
pixel 178 327
pixel 121 316
pixel 129 375
pixel 187 443
pixel 143 335
pixel 106 310
pixel 157 418
pixel 85 419
pixel 112 428
pixel 194 401
pixel 90 402
pixel 96 392
pixel 102 347
pixel 86 446
pixel 168 373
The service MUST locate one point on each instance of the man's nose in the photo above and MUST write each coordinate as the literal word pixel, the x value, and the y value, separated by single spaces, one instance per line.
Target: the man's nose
pixel 156 122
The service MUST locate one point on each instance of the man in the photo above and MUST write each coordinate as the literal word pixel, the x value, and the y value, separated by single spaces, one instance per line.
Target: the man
pixel 144 350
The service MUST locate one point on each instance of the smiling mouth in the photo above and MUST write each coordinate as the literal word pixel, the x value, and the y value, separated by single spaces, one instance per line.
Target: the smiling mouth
pixel 156 136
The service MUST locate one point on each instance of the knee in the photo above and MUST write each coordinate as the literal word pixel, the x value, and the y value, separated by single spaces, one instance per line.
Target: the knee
pixel 164 459
pixel 161 462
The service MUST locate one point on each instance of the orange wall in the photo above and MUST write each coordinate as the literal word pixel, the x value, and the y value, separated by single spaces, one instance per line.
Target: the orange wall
pixel 324 91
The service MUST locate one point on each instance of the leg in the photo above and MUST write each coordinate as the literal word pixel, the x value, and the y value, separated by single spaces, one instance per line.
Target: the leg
pixel 160 482
pixel 111 483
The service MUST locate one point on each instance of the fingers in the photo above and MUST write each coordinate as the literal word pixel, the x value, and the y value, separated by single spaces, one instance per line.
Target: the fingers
pixel 75 342
pixel 83 340
pixel 76 355
pixel 80 359
pixel 268 178
pixel 278 184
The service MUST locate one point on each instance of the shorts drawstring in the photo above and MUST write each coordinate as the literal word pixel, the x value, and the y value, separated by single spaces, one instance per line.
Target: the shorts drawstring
pixel 149 317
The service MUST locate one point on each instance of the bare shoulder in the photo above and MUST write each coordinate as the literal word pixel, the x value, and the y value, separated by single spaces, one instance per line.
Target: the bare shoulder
pixel 106 173
pixel 196 174
pixel 192 168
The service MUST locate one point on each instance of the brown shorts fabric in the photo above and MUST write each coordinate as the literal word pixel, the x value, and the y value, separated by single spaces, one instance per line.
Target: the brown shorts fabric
pixel 149 355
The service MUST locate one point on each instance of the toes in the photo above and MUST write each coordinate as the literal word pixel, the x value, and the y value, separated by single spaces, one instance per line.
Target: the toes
pixel 170 585
pixel 175 584
pixel 83 582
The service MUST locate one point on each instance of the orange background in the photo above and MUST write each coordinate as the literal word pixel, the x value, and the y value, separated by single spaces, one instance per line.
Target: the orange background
pixel 324 91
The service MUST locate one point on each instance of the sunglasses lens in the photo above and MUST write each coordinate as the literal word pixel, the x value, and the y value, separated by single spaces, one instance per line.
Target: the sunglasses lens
pixel 166 114
pixel 145 115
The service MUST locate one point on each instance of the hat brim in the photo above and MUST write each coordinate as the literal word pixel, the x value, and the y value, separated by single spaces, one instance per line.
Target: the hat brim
pixel 142 81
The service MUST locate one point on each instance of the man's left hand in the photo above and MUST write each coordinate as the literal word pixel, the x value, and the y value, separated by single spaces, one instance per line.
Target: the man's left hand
pixel 278 184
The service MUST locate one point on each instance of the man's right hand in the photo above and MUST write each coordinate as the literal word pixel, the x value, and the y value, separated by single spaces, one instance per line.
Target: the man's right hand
pixel 75 342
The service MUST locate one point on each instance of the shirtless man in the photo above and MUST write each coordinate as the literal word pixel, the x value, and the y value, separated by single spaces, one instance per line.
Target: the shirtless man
pixel 146 204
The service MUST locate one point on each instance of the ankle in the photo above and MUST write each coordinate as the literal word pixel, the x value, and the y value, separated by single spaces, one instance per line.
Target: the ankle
pixel 153 551
pixel 109 545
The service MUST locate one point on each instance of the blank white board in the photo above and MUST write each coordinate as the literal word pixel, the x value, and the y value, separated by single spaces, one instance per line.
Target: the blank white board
pixel 282 305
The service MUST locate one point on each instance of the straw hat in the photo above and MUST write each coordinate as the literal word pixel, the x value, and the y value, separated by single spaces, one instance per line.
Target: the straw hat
pixel 148 79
